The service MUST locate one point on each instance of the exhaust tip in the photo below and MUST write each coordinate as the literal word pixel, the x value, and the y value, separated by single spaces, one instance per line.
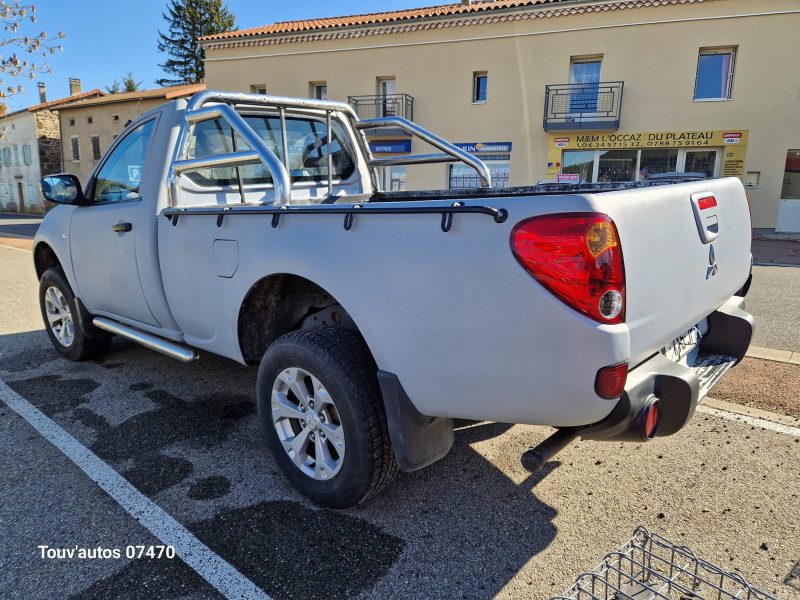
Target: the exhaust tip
pixel 650 418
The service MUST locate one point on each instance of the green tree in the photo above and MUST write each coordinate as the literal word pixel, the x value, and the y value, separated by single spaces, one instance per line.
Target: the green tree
pixel 14 17
pixel 188 20
pixel 129 83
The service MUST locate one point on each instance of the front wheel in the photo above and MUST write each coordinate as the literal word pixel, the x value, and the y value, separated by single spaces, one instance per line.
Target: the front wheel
pixel 322 415
pixel 60 314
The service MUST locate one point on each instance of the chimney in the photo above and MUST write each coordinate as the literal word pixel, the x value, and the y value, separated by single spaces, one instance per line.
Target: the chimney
pixel 42 92
pixel 74 86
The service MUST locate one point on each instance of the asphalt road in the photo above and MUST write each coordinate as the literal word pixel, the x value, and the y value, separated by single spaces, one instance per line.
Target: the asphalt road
pixel 474 525
pixel 19 225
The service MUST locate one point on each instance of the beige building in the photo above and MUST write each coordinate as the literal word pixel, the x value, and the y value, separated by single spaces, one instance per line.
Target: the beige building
pixel 30 147
pixel 90 126
pixel 542 89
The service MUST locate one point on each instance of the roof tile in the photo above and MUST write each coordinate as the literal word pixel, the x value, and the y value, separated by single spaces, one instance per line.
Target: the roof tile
pixel 375 18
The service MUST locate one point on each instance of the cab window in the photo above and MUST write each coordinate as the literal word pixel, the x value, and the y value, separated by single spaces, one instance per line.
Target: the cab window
pixel 307 141
pixel 120 176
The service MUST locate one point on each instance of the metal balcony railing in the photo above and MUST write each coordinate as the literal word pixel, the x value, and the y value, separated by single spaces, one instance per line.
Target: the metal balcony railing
pixel 376 107
pixel 573 106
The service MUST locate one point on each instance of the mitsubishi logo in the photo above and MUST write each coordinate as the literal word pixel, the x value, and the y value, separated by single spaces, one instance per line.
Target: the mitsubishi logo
pixel 712 263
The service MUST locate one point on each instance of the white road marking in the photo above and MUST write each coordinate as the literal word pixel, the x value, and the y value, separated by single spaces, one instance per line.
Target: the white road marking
pixel 4 247
pixel 754 421
pixel 216 571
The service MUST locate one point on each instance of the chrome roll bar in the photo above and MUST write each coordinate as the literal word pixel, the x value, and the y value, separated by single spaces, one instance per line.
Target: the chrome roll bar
pixel 198 110
pixel 212 104
pixel 451 152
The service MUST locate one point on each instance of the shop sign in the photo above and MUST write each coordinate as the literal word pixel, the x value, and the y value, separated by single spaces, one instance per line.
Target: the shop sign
pixel 568 178
pixel 732 137
pixel 473 147
pixel 649 139
pixel 390 147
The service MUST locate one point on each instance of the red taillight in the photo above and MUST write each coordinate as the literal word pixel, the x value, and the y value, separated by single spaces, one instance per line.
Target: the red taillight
pixel 610 381
pixel 707 202
pixel 577 256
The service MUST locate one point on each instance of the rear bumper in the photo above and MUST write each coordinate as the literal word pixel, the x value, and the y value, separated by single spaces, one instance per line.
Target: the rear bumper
pixel 679 386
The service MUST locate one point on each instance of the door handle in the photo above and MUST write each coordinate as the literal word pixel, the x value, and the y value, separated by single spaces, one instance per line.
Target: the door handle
pixel 121 227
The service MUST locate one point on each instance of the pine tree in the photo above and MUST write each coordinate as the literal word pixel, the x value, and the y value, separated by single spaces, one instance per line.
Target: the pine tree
pixel 129 83
pixel 188 20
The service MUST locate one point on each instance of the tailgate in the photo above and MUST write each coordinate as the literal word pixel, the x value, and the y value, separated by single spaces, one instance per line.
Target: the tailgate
pixel 678 267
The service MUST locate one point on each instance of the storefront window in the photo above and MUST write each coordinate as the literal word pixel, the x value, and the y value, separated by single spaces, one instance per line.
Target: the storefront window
pixel 791 176
pixel 580 162
pixel 663 160
pixel 393 179
pixel 463 176
pixel 617 165
pixel 701 161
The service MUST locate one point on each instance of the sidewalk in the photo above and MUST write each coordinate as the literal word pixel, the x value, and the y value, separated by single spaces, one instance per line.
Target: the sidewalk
pixel 778 249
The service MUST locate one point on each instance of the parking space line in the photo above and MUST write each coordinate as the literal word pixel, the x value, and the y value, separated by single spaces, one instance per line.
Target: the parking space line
pixel 754 421
pixel 220 574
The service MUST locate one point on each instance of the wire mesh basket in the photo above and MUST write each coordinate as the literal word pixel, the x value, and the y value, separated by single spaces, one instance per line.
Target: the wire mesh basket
pixel 650 567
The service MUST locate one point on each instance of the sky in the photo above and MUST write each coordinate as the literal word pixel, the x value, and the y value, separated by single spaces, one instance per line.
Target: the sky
pixel 104 39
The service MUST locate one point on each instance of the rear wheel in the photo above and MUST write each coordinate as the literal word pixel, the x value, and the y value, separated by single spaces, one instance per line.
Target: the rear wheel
pixel 60 314
pixel 322 415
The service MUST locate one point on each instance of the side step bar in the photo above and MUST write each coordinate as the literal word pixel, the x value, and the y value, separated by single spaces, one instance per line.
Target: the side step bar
pixel 148 340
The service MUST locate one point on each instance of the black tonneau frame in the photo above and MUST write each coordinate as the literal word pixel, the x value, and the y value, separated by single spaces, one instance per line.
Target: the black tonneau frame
pixel 541 189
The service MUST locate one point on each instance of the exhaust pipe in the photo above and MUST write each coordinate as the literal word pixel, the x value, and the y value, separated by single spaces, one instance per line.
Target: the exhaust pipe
pixel 535 458
pixel 646 425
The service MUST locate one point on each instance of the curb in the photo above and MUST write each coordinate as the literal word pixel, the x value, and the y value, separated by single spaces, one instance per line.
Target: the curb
pixel 781 356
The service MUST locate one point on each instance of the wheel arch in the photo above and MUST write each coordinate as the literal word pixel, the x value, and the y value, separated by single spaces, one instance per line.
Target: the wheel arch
pixel 282 302
pixel 44 257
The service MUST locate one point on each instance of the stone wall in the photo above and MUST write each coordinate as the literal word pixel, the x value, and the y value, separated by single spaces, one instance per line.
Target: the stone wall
pixel 48 138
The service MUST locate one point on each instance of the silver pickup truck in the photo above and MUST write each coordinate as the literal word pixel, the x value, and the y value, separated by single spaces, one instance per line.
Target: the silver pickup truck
pixel 253 227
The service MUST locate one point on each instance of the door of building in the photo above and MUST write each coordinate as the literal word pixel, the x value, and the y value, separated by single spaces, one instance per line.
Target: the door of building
pixel 388 102
pixel 584 75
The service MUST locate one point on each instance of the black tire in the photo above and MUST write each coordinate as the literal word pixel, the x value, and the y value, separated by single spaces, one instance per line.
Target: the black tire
pixel 81 347
pixel 341 362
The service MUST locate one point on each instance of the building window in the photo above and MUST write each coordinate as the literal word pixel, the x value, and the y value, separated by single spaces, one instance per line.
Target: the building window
pixel 16 154
pixel 95 147
pixel 259 88
pixel 791 176
pixel 714 74
pixel 7 156
pixel 319 90
pixel 635 165
pixel 584 78
pixel 462 176
pixel 31 197
pixel 76 147
pixel 387 105
pixel 72 122
pixel 480 83
pixel 393 179
pixel 26 154
pixel 89 120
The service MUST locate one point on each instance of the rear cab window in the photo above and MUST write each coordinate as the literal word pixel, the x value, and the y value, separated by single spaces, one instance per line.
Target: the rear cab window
pixel 307 143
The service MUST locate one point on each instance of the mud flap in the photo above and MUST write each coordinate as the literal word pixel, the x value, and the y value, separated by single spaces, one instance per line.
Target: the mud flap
pixel 418 440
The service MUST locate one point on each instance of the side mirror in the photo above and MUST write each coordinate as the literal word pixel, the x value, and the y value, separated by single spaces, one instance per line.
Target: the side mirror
pixel 62 189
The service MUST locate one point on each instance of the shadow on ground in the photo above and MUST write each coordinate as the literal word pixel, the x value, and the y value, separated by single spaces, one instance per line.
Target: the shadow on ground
pixel 458 529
